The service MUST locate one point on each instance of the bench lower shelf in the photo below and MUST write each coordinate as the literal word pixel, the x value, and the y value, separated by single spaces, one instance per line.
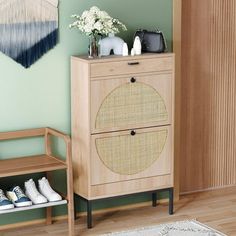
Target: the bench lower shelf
pixel 45 205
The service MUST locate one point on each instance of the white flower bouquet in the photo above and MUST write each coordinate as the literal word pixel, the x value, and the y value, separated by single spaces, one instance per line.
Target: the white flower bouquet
pixel 95 22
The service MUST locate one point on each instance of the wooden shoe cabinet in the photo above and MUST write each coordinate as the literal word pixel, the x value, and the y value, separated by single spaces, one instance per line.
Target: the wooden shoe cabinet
pixel 122 126
pixel 41 163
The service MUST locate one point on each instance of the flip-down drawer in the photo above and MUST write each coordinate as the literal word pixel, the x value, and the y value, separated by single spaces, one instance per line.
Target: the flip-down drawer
pixel 131 154
pixel 131 102
pixel 131 66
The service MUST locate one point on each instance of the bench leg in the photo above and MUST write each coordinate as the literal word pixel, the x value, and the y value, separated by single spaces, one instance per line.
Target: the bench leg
pixel 70 196
pixel 75 207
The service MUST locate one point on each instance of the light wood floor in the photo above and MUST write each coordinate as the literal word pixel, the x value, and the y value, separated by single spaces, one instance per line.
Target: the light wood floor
pixel 215 208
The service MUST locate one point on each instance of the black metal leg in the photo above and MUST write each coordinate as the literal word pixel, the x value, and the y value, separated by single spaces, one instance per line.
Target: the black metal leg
pixel 75 205
pixel 171 201
pixel 89 214
pixel 154 199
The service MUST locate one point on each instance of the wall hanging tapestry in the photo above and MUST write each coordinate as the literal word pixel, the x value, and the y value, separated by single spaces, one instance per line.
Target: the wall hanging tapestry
pixel 28 29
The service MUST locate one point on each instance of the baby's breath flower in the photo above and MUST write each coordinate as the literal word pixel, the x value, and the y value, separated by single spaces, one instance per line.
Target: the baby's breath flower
pixel 96 22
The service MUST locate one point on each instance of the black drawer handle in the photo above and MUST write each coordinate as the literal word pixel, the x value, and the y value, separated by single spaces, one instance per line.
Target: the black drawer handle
pixel 133 63
pixel 133 132
pixel 132 80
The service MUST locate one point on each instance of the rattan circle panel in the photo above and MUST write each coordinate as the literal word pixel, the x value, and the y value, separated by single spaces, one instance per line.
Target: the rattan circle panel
pixel 128 155
pixel 130 104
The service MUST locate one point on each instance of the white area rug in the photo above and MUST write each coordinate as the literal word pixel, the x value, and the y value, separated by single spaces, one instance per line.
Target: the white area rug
pixel 181 228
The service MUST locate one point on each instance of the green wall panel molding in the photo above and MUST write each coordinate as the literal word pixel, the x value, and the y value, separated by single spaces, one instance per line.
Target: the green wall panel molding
pixel 40 96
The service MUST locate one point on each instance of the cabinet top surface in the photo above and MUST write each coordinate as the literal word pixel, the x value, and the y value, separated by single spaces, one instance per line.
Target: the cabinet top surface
pixel 84 58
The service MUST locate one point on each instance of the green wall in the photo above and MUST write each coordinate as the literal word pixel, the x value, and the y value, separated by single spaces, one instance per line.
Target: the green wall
pixel 40 96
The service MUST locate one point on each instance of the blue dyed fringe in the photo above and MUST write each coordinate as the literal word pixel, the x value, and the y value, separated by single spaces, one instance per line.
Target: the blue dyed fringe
pixel 27 42
pixel 31 55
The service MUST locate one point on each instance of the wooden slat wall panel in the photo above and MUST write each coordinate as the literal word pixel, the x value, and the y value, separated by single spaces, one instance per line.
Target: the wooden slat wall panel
pixel 177 15
pixel 208 113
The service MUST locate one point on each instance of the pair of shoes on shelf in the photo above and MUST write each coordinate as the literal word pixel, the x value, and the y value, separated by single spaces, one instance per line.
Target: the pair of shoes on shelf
pixel 17 198
pixel 44 194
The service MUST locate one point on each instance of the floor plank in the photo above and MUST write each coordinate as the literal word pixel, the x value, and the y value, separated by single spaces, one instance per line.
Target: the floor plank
pixel 216 209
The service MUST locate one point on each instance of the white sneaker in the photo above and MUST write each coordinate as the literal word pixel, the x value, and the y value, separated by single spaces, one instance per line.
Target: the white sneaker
pixel 47 191
pixel 32 192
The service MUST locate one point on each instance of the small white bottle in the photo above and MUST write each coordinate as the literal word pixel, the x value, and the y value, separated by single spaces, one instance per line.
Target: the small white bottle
pixel 137 46
pixel 125 50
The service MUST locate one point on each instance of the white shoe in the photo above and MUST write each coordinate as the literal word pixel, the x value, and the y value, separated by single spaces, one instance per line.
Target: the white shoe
pixel 47 191
pixel 32 192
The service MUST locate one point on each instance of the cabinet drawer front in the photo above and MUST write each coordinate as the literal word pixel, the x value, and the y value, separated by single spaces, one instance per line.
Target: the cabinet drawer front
pixel 131 66
pixel 119 104
pixel 127 155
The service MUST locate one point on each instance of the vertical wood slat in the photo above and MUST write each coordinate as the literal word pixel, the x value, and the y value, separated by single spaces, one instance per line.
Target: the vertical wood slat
pixel 208 112
pixel 177 15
